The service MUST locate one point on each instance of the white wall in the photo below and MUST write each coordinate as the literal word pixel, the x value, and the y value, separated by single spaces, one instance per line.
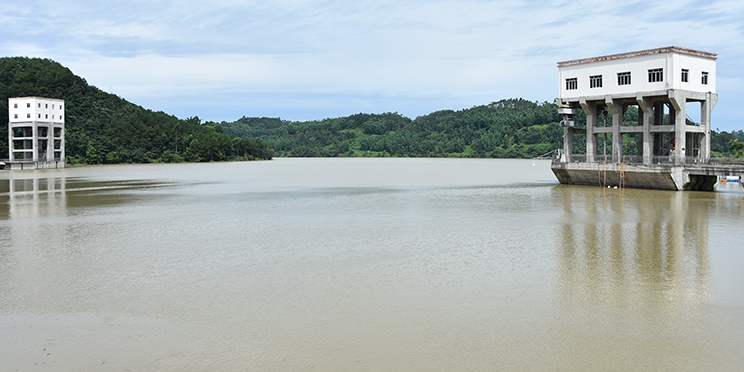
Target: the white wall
pixel 41 109
pixel 672 63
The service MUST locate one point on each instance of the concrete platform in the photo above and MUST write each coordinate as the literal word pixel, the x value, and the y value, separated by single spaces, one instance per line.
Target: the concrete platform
pixel 658 176
pixel 31 165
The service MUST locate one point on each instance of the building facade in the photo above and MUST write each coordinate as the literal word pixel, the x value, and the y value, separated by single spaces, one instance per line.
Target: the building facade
pixel 665 84
pixel 36 131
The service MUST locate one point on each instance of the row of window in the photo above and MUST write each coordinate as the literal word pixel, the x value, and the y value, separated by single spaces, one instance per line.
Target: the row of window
pixel 655 75
pixel 28 105
pixel 28 116
pixel 686 76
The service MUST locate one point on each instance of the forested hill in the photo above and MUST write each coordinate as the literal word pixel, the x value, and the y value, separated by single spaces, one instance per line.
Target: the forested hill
pixel 510 128
pixel 104 128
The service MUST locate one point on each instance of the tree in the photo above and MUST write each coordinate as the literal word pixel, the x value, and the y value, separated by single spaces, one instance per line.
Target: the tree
pixel 737 146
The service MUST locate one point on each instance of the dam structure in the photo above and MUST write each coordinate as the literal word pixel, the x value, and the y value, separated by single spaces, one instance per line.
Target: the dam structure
pixel 36 133
pixel 665 146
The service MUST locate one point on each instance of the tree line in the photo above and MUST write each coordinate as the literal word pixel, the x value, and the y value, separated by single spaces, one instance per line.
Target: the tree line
pixel 509 128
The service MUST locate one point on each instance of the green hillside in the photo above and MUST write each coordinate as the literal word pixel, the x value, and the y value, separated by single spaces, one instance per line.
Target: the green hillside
pixel 510 128
pixel 104 128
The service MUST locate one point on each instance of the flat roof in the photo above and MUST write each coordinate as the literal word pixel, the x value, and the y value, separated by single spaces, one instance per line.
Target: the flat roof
pixel 34 97
pixel 640 53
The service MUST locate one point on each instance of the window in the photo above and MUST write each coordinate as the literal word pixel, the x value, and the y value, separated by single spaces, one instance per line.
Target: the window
pixel 39 116
pixel 28 116
pixel 685 75
pixel 623 78
pixel 15 105
pixel 40 105
pixel 655 75
pixel 705 78
pixel 46 105
pixel 595 81
pixel 46 116
pixel 572 83
pixel 15 116
pixel 28 104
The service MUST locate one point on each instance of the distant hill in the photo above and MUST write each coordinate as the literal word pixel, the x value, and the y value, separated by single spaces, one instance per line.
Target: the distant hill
pixel 510 128
pixel 104 128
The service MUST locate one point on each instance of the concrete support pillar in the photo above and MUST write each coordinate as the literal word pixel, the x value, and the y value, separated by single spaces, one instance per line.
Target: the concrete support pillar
pixel 646 115
pixel 62 155
pixel 641 136
pixel 617 119
pixel 678 101
pixel 706 109
pixel 35 142
pixel 568 143
pixel 10 142
pixel 590 109
pixel 658 119
pixel 50 143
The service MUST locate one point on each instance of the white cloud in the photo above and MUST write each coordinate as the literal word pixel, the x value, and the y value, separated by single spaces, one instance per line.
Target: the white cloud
pixel 307 56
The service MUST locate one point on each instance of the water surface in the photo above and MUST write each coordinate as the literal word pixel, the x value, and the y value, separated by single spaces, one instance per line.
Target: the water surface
pixel 364 265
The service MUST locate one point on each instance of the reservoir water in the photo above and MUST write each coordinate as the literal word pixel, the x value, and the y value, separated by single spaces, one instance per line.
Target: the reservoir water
pixel 364 265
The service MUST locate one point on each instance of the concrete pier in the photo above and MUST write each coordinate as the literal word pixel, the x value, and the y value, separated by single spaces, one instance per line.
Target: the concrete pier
pixel 691 177
pixel 31 165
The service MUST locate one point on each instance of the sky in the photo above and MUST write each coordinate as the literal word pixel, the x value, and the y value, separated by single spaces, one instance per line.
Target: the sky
pixel 313 59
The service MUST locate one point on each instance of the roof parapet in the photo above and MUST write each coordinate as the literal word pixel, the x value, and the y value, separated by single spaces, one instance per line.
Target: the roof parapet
pixel 640 53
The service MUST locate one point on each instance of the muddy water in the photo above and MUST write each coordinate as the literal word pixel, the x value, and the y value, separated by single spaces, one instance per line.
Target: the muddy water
pixel 364 265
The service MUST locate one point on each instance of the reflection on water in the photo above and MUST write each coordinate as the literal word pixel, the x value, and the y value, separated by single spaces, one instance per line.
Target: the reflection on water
pixel 636 283
pixel 51 197
pixel 644 248
pixel 44 244
pixel 33 197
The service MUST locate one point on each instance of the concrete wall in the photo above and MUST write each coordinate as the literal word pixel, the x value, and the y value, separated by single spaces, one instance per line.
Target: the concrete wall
pixel 25 165
pixel 27 109
pixel 639 177
pixel 702 177
pixel 638 65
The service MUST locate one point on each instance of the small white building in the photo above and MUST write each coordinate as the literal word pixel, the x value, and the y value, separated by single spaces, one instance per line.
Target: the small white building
pixel 36 132
pixel 661 82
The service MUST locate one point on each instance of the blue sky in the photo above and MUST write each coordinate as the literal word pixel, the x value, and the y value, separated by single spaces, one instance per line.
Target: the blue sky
pixel 312 59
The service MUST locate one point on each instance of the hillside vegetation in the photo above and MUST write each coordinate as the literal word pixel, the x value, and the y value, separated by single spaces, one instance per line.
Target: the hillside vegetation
pixel 510 128
pixel 104 128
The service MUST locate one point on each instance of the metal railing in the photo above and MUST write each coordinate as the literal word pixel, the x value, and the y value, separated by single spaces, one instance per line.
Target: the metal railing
pixel 726 161
pixel 640 159
pixel 29 160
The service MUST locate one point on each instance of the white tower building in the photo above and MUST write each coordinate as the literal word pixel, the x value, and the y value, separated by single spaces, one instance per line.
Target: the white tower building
pixel 661 83
pixel 36 131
